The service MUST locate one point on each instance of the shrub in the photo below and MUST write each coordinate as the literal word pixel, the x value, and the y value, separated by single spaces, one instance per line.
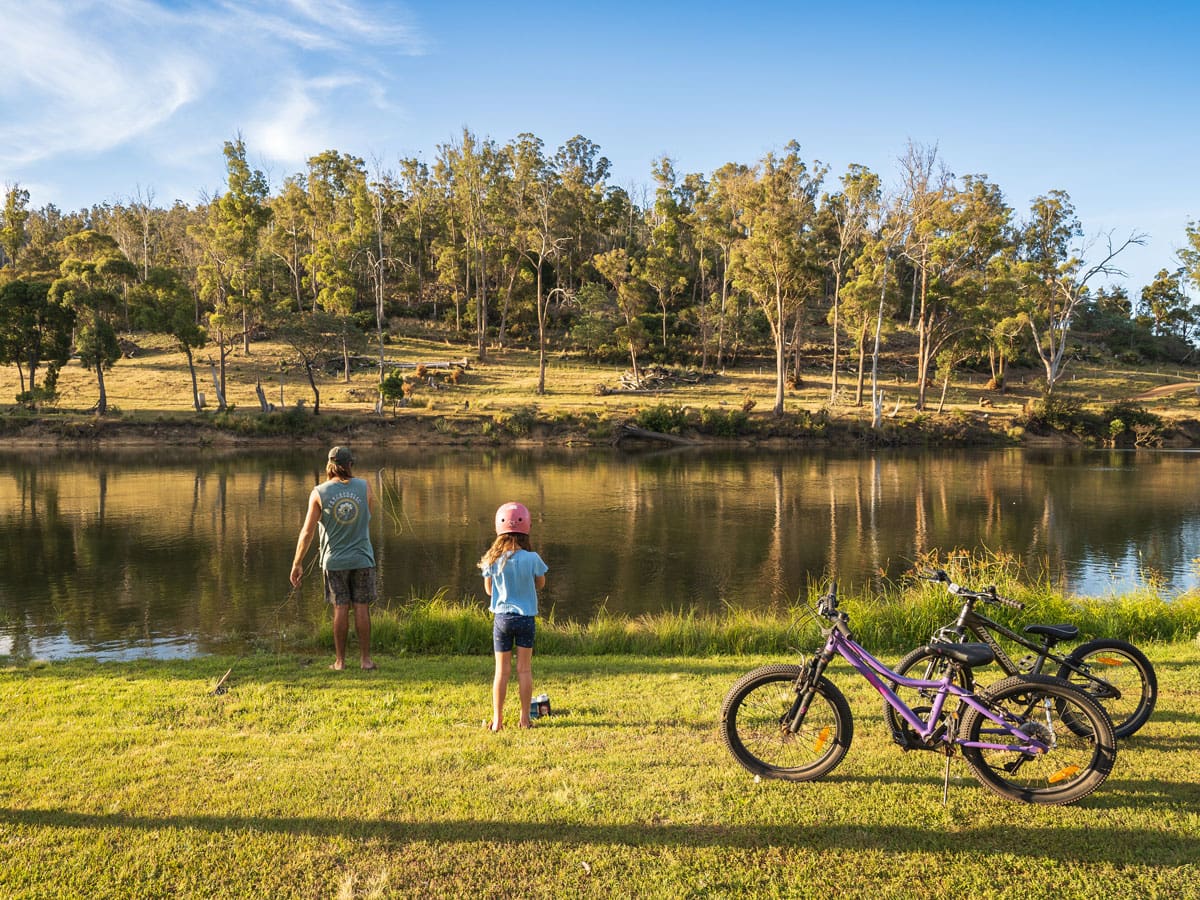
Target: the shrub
pixel 663 419
pixel 725 423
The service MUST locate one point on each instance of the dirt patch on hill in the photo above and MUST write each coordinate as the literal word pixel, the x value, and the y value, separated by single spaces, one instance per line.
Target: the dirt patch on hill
pixel 1165 390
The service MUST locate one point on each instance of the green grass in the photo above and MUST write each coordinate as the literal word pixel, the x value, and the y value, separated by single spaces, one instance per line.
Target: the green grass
pixel 135 780
pixel 897 618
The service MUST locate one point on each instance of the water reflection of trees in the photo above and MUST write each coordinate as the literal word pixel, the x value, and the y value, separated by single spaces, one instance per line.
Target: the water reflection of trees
pixel 108 548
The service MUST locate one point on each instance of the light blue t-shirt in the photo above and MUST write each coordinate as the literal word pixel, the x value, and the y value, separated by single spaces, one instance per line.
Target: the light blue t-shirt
pixel 513 590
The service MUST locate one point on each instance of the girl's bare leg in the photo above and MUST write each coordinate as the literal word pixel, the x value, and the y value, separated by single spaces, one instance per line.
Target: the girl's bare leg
pixel 525 682
pixel 500 689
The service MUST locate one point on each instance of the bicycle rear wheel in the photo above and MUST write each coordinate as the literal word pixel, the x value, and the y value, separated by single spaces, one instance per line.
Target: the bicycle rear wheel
pixel 752 725
pixel 1119 677
pixel 1081 746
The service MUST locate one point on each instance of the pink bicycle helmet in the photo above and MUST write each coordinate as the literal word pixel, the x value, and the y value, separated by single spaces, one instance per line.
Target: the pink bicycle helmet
pixel 512 518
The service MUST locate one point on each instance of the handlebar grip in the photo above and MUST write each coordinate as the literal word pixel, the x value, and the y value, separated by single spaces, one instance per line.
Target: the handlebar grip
pixel 1011 604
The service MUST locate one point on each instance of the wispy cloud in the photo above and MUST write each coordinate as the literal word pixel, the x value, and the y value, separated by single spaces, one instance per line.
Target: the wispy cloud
pixel 81 78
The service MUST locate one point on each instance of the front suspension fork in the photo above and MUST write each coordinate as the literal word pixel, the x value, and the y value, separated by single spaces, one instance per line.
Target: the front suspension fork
pixel 806 689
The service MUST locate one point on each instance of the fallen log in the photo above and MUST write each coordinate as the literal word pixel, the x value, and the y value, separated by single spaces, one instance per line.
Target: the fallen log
pixel 641 434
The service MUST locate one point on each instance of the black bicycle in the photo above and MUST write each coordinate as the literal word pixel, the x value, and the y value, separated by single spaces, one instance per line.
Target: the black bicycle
pixel 1113 672
pixel 1034 738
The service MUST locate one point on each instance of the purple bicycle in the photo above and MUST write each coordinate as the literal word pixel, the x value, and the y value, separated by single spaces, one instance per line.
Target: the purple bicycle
pixel 1034 738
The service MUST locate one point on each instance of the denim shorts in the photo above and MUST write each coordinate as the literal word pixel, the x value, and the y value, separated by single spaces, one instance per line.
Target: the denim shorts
pixel 509 629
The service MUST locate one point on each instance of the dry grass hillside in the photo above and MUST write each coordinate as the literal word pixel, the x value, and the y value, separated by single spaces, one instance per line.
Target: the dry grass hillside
pixel 152 385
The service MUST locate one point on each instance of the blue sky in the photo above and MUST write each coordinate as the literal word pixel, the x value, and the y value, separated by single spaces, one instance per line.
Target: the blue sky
pixel 102 100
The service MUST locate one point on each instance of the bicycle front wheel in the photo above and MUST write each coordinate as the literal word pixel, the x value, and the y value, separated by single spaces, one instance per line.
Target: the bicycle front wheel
pixel 1119 677
pixel 1077 733
pixel 753 725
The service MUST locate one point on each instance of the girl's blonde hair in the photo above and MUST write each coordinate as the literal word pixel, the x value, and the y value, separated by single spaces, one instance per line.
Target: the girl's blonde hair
pixel 504 545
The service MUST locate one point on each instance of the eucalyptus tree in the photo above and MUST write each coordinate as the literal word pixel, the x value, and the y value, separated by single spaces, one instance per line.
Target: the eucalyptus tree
pixel 868 302
pixel 662 263
pixel 342 247
pixel 35 330
pixel 469 170
pixel 315 336
pixel 228 241
pixel 1052 265
pixel 94 273
pixel 539 231
pixel 164 304
pixel 773 263
pixel 417 219
pixel 237 219
pixel 288 238
pixel 717 208
pixel 629 294
pixel 586 207
pixel 972 244
pixel 1167 304
pixel 1189 255
pixel 846 217
pixel 14 216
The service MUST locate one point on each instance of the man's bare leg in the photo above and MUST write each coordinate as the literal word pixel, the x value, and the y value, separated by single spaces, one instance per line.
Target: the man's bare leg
pixel 341 629
pixel 362 628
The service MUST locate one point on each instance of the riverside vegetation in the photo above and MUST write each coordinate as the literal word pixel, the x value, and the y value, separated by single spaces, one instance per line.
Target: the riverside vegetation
pixel 141 780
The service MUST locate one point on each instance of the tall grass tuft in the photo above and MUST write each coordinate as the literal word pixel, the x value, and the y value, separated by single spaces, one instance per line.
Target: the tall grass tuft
pixel 890 619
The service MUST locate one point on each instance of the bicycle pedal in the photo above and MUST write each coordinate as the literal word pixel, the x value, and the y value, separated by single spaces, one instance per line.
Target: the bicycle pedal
pixel 1026 663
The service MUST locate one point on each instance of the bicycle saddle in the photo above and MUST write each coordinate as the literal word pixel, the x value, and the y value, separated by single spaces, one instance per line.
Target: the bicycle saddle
pixel 1058 632
pixel 967 654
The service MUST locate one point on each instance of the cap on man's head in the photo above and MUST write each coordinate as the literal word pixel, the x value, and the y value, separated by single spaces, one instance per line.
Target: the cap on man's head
pixel 341 456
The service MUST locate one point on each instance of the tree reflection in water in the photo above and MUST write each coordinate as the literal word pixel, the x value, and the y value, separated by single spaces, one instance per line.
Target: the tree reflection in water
pixel 180 552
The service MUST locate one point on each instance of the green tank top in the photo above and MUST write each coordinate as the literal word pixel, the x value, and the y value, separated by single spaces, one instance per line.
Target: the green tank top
pixel 345 526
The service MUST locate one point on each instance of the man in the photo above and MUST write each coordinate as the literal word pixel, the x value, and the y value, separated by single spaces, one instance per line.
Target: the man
pixel 340 508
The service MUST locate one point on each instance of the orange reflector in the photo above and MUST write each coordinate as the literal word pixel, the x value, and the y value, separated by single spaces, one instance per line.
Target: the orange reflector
pixel 1063 774
pixel 822 738
pixel 1110 660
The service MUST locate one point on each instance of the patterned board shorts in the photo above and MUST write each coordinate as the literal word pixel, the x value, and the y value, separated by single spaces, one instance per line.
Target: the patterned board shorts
pixel 346 586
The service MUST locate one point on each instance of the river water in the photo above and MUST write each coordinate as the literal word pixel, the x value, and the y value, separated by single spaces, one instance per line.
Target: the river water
pixel 178 552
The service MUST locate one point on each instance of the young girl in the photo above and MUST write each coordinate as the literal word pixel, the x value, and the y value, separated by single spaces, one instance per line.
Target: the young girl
pixel 512 576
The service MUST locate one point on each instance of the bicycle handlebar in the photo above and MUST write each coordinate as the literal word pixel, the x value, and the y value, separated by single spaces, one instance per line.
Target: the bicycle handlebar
pixel 988 594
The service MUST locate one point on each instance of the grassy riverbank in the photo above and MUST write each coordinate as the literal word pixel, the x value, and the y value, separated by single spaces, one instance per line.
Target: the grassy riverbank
pixel 898 619
pixel 136 780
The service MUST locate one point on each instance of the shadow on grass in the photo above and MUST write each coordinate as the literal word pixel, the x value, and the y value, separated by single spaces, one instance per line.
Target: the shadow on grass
pixel 313 668
pixel 1072 844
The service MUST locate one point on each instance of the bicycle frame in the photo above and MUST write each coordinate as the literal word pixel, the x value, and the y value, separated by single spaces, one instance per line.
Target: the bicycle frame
pixel 839 642
pixel 981 627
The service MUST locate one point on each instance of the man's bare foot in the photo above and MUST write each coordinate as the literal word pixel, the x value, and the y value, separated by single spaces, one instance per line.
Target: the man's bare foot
pixel 337 665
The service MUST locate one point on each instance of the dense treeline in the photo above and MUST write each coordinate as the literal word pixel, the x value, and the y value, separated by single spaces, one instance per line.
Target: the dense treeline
pixel 513 243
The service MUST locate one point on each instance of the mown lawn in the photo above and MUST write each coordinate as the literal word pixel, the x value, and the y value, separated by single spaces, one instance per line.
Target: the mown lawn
pixel 136 780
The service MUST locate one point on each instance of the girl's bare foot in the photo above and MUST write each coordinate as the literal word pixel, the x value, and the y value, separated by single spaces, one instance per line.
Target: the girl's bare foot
pixel 368 665
pixel 337 666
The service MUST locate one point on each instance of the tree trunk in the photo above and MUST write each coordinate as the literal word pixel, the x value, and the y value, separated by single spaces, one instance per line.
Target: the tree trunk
pixel 312 383
pixel 541 314
pixel 780 362
pixel 833 375
pixel 102 403
pixel 192 371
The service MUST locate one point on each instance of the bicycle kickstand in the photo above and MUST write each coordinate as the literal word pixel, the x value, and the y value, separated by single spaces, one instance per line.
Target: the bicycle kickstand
pixel 946 783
